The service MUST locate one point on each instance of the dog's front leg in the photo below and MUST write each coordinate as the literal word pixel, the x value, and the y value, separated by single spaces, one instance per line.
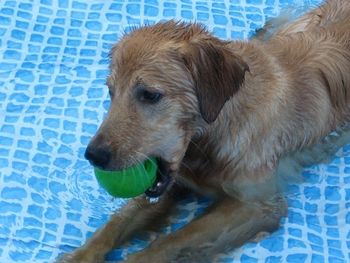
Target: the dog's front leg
pixel 228 224
pixel 137 215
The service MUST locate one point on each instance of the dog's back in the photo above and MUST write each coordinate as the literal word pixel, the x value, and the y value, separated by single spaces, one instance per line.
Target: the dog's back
pixel 318 41
pixel 331 12
pixel 319 50
pixel 322 41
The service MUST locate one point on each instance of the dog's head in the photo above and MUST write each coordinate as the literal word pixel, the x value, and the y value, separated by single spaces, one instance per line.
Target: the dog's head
pixel 166 80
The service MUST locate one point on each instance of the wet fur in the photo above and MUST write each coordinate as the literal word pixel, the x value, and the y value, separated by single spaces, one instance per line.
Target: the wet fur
pixel 234 114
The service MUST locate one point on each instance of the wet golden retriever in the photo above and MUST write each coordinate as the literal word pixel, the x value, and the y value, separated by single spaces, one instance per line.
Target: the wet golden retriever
pixel 219 116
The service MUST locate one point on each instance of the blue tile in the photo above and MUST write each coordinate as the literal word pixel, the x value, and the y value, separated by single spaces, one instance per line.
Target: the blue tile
pixel 331 220
pixel 169 12
pixel 295 243
pixel 45 11
pixel 332 193
pixel 93 25
pixel 113 17
pixel 332 208
pixel 186 14
pixel 116 7
pixel 16 193
pixel 61 3
pixel 5 21
pixel 317 258
pixel 7 11
pixel 150 10
pixel 71 230
pixel 273 244
pixel 273 259
pixel 6 207
pixel 79 5
pixel 96 6
pixel 315 239
pixel 296 258
pixel 22 155
pixel 133 9
pixel 22 25
pixel 78 15
pixel 24 15
pixel 12 54
pixel 18 34
pixel 248 259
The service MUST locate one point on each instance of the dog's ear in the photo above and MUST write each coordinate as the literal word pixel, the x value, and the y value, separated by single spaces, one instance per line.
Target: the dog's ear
pixel 217 72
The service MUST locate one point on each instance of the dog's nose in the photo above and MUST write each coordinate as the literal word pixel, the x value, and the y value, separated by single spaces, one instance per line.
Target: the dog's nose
pixel 98 156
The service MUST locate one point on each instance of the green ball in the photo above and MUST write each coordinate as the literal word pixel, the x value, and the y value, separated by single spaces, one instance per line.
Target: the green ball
pixel 129 182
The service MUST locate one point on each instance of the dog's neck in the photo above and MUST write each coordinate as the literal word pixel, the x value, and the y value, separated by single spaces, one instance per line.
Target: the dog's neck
pixel 249 115
pixel 246 128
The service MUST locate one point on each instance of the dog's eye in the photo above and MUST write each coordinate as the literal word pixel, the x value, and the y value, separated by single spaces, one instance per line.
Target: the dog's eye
pixel 150 96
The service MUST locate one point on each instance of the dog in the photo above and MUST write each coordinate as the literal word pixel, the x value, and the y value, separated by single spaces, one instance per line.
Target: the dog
pixel 220 116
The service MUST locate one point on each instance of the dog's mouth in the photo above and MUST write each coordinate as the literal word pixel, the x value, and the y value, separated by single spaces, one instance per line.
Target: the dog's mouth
pixel 162 182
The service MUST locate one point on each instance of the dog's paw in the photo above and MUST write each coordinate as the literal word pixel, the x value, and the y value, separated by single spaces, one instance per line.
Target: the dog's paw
pixel 81 256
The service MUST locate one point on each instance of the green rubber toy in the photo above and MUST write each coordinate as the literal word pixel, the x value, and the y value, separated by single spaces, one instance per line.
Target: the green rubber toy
pixel 129 182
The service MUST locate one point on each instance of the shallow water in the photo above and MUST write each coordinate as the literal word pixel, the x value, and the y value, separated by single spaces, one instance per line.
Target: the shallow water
pixel 53 64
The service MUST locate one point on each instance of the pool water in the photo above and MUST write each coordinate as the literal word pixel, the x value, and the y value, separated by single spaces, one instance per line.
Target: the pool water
pixel 53 65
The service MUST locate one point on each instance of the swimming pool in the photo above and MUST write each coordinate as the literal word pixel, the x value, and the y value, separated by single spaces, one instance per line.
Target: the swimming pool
pixel 53 64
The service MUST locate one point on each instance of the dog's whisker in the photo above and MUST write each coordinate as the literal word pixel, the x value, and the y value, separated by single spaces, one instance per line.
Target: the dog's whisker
pixel 144 156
